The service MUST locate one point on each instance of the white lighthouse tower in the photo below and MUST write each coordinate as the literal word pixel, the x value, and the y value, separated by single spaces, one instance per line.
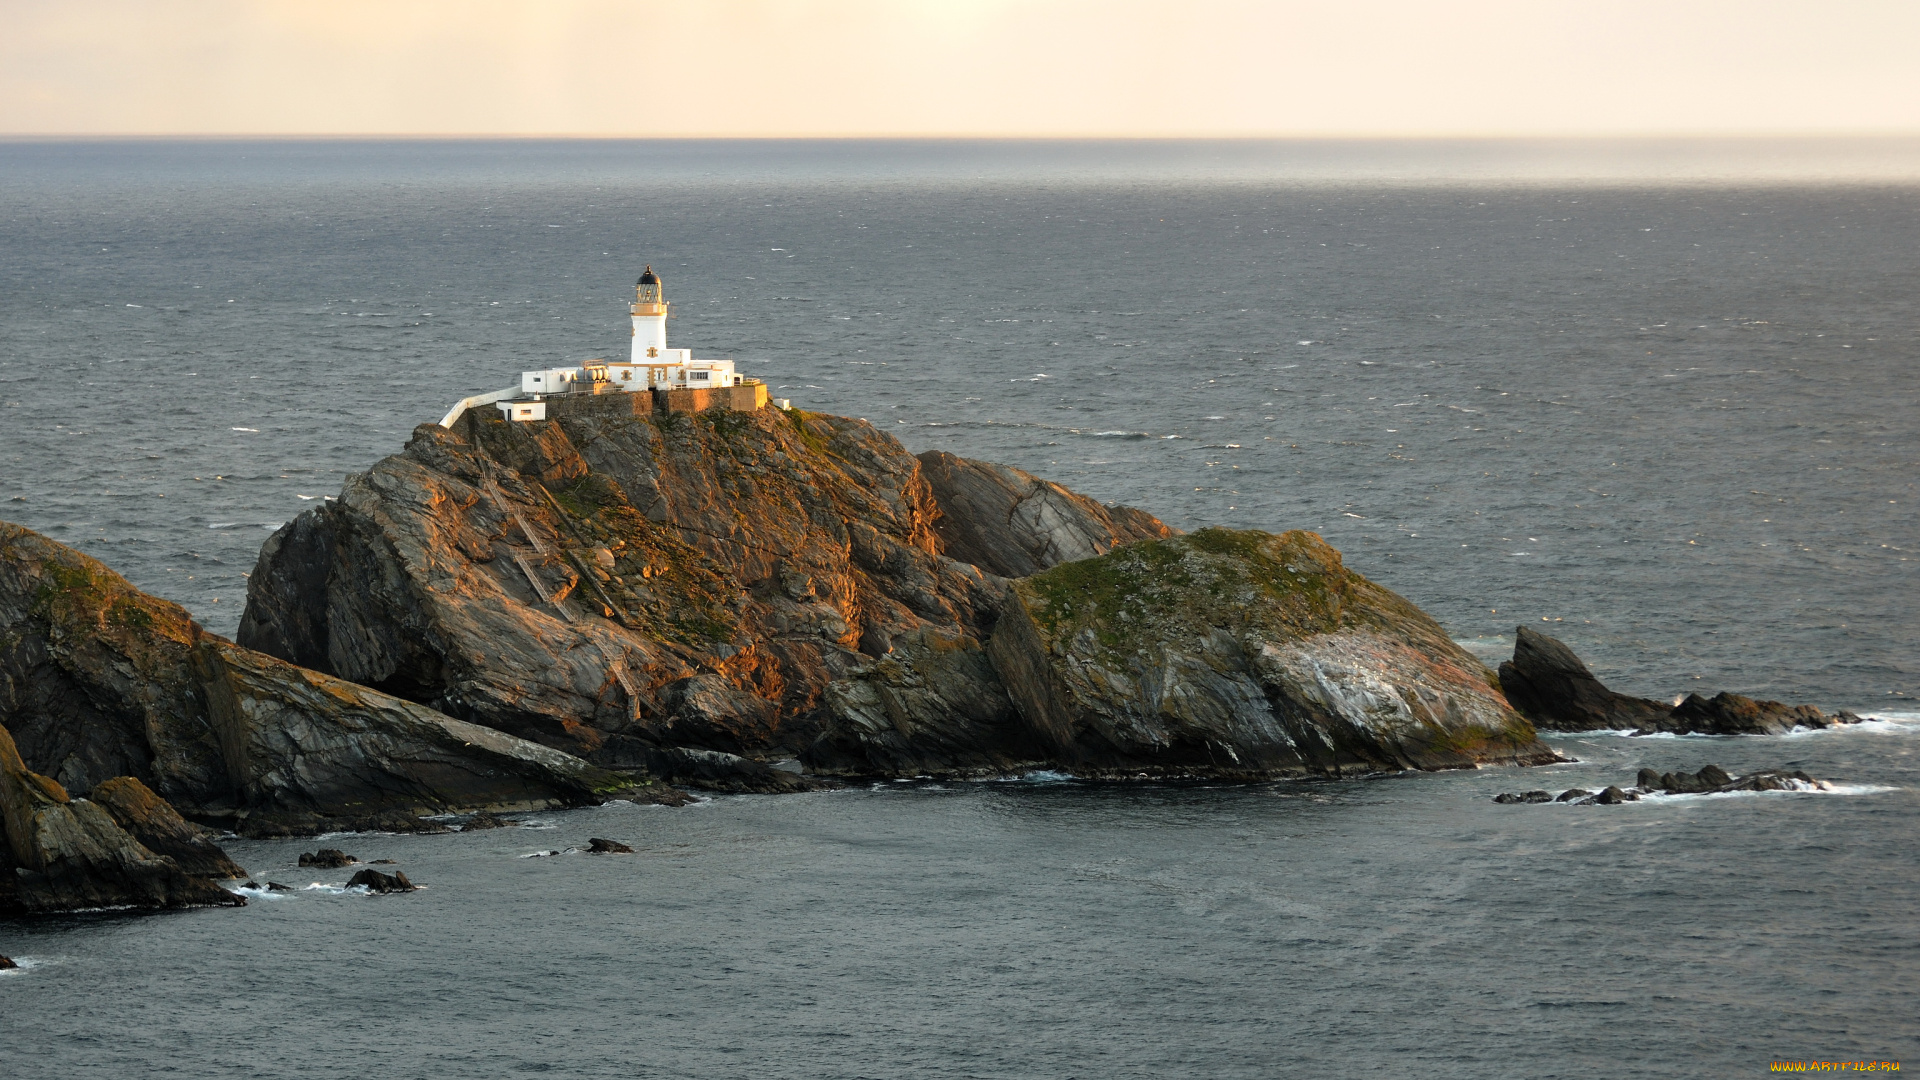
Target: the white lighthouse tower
pixel 649 311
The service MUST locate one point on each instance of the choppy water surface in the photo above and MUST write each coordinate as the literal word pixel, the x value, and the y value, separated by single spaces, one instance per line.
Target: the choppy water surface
pixel 1678 421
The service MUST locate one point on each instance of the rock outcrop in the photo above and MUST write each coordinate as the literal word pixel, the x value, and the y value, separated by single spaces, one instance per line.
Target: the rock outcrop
pixel 1013 524
pixel 602 846
pixel 70 854
pixel 1710 780
pixel 307 751
pixel 160 829
pixel 105 680
pixel 1549 685
pixel 1732 714
pixel 615 585
pixel 327 858
pixel 1232 653
pixel 376 882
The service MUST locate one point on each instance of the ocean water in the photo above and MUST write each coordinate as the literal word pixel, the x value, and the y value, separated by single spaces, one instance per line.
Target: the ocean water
pixel 1664 410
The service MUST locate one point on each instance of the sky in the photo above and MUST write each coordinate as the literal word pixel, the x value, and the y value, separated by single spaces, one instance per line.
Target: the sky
pixel 1075 68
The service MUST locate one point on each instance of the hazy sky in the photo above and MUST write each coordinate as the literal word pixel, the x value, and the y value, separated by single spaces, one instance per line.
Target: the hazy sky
pixel 960 67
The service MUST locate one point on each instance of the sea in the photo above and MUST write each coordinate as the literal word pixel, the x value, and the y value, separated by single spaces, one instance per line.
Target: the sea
pixel 1657 399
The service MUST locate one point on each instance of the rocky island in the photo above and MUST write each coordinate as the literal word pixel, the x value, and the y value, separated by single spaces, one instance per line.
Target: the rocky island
pixel 721 590
pixel 609 603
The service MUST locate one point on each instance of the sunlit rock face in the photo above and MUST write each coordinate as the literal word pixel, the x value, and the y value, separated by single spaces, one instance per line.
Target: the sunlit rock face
pixel 613 584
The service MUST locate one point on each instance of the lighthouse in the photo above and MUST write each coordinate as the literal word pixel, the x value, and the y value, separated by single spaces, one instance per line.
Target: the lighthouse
pixel 671 379
pixel 649 311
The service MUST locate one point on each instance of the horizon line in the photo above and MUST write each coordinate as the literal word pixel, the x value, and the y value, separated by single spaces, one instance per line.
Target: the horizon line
pixel 1619 136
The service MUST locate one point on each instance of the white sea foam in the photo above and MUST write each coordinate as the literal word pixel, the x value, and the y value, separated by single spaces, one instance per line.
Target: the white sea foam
pixel 1040 776
pixel 1800 787
pixel 26 964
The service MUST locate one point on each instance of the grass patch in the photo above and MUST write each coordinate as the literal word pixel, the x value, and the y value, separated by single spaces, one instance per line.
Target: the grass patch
pixel 1186 585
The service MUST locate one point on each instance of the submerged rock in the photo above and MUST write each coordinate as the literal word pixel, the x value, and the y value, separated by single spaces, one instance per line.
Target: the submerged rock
pixel 70 853
pixel 375 881
pixel 1243 654
pixel 1525 797
pixel 484 820
pixel 601 846
pixel 1552 688
pixel 327 858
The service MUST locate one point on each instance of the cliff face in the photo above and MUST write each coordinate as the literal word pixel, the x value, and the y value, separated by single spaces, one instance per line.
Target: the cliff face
pixel 99 680
pixel 611 584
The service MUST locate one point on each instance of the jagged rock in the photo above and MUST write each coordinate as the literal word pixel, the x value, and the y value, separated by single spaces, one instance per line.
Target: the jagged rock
pixel 933 706
pixel 484 820
pixel 274 886
pixel 94 679
pixel 110 681
pixel 600 846
pixel 712 770
pixel 1710 780
pixel 7 964
pixel 375 881
pixel 1714 780
pixel 161 829
pixel 1525 797
pixel 1549 685
pixel 1733 714
pixel 1777 780
pixel 302 743
pixel 753 554
pixel 69 853
pixel 1242 654
pixel 1013 524
pixel 1684 783
pixel 327 858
